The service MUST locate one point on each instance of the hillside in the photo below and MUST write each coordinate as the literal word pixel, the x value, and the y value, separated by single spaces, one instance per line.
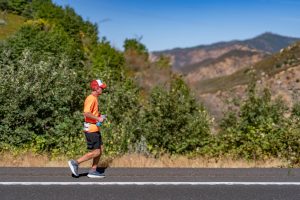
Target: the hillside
pixel 276 63
pixel 9 24
pixel 224 65
pixel 236 53
pixel 280 73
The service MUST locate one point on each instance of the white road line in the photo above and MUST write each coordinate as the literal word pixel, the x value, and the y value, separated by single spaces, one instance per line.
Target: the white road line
pixel 149 183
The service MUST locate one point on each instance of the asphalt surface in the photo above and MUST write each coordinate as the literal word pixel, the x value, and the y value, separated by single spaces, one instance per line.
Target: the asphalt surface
pixel 150 183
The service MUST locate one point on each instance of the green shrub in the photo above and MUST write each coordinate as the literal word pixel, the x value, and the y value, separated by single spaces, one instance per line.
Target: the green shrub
pixel 37 98
pixel 122 129
pixel 174 121
pixel 256 131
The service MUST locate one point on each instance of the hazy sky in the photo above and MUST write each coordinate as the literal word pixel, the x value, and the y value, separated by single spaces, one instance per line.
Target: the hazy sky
pixel 166 24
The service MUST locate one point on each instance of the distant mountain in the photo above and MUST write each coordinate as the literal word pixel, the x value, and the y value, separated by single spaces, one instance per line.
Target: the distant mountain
pixel 270 42
pixel 266 43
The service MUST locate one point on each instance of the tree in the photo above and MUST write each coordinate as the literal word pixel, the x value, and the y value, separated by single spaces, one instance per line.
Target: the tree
pixel 136 54
pixel 17 6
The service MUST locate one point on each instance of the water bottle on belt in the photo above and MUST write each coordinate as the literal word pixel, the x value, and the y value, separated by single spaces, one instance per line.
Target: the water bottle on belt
pixel 100 123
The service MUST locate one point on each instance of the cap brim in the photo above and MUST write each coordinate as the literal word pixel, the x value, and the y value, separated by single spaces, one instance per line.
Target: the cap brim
pixel 103 86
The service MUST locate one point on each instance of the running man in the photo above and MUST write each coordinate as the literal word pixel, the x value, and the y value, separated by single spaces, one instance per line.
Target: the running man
pixel 92 117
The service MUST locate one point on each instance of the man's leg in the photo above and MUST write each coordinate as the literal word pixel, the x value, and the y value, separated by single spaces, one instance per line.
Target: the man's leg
pixel 93 173
pixel 94 142
pixel 74 164
pixel 96 159
pixel 92 154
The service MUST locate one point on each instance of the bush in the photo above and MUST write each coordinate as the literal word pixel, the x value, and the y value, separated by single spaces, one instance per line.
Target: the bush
pixel 174 121
pixel 38 96
pixel 123 128
pixel 257 130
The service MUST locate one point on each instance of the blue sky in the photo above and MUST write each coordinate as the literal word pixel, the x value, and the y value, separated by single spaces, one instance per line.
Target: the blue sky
pixel 167 24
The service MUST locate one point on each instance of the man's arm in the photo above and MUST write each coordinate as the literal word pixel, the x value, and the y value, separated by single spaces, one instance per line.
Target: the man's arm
pixel 91 116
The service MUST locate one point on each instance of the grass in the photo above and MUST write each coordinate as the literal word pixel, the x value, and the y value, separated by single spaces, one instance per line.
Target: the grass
pixel 136 161
pixel 13 23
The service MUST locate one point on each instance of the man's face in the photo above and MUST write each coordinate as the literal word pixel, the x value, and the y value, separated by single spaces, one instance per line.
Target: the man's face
pixel 99 90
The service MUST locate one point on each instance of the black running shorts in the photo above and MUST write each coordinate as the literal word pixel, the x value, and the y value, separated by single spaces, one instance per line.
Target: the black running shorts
pixel 93 140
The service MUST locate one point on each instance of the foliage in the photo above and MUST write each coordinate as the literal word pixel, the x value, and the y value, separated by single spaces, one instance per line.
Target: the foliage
pixel 40 36
pixel 108 63
pixel 66 18
pixel 296 110
pixel 174 121
pixel 136 45
pixel 39 101
pixel 123 128
pixel 136 54
pixel 17 6
pixel 257 130
pixel 43 86
pixel 3 4
pixel 84 33
pixel 163 62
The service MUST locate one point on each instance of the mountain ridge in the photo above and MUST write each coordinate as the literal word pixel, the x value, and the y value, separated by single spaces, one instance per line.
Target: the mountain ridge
pixel 222 43
pixel 266 43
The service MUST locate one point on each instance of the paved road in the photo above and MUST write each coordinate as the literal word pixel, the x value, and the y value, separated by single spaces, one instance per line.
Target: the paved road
pixel 156 183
